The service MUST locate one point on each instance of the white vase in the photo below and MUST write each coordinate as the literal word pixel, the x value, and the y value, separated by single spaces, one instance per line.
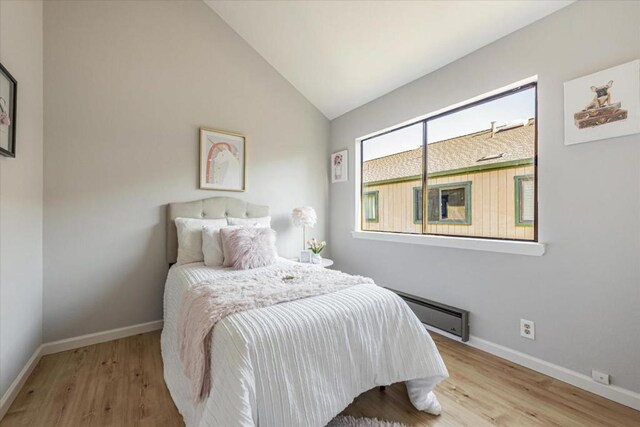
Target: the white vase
pixel 316 259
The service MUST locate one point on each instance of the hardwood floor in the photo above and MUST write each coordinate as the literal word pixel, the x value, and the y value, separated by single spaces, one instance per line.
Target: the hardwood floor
pixel 120 383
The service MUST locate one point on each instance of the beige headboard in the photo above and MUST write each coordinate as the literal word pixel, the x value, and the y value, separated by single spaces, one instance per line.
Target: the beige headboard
pixel 215 207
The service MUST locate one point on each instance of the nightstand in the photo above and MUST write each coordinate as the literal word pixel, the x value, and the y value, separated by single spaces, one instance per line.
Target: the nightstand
pixel 326 262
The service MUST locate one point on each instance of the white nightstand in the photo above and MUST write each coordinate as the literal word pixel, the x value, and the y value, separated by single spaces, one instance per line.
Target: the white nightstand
pixel 326 262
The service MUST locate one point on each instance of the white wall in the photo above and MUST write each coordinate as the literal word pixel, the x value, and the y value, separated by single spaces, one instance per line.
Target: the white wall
pixel 584 293
pixel 127 84
pixel 21 193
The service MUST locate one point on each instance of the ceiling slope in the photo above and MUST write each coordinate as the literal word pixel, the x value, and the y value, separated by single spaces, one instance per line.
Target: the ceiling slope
pixel 343 54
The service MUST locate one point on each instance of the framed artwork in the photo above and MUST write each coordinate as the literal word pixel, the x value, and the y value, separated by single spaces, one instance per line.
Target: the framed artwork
pixel 305 256
pixel 340 166
pixel 8 96
pixel 603 105
pixel 222 160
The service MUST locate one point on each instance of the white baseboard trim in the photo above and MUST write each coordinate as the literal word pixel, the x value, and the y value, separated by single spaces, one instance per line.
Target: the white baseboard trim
pixel 69 344
pixel 98 337
pixel 17 384
pixel 612 392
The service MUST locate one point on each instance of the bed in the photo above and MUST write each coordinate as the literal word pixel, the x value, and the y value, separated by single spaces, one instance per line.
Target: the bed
pixel 298 363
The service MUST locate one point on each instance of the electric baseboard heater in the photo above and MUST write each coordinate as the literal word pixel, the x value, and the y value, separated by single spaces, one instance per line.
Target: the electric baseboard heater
pixel 449 319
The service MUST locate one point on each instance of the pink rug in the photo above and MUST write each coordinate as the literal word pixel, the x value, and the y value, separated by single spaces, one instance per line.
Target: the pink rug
pixel 348 421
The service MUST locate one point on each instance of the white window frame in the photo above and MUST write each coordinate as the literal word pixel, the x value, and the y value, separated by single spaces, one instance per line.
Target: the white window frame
pixel 470 243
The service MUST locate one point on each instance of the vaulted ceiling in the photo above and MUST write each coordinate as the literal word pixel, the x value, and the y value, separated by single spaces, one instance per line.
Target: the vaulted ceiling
pixel 343 54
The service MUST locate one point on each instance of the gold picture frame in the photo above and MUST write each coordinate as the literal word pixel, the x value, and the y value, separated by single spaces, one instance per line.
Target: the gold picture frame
pixel 222 160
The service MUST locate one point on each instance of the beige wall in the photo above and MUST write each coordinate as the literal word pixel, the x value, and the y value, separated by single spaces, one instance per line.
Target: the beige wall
pixel 21 193
pixel 395 208
pixel 127 84
pixel 583 293
pixel 492 206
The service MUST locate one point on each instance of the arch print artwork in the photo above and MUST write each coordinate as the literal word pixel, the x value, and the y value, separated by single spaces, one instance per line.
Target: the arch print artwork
pixel 222 160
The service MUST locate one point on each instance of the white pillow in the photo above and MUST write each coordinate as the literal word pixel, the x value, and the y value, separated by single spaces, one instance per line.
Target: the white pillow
pixel 212 246
pixel 190 238
pixel 263 221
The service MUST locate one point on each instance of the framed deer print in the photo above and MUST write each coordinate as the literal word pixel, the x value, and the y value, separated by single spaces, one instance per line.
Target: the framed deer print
pixel 222 160
pixel 603 105
pixel 8 96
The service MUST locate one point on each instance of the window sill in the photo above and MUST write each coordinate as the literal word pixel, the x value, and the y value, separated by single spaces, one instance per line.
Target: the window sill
pixel 489 245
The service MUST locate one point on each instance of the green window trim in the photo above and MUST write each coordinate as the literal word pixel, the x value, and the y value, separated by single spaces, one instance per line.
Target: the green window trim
pixel 472 169
pixel 375 217
pixel 467 202
pixel 484 168
pixel 516 184
pixel 418 208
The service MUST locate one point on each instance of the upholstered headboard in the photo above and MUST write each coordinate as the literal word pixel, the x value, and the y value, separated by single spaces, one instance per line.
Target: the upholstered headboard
pixel 215 207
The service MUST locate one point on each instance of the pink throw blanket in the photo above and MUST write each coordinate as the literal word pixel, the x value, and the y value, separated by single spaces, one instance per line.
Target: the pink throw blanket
pixel 206 303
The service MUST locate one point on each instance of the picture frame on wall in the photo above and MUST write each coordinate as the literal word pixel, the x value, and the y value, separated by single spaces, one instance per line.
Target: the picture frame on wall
pixel 8 99
pixel 603 105
pixel 340 166
pixel 222 160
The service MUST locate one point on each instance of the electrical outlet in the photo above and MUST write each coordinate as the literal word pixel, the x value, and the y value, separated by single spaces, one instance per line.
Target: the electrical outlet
pixel 600 377
pixel 527 329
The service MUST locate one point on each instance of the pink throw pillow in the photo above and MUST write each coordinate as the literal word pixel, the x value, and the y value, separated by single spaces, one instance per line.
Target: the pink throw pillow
pixel 249 247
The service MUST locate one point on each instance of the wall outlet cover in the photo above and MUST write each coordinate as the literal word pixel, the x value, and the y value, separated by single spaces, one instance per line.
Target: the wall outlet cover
pixel 600 377
pixel 527 329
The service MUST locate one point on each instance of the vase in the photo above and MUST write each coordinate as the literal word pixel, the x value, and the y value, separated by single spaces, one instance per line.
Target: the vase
pixel 316 259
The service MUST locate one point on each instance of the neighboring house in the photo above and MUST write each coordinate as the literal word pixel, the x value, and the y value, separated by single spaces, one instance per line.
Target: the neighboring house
pixel 480 184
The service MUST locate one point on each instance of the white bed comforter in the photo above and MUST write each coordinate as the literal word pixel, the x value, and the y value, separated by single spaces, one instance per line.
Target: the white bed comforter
pixel 302 362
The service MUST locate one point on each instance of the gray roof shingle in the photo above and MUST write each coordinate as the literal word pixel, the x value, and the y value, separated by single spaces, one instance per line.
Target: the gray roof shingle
pixel 508 144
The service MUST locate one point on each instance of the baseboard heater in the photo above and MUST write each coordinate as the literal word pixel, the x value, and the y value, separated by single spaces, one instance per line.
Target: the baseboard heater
pixel 449 319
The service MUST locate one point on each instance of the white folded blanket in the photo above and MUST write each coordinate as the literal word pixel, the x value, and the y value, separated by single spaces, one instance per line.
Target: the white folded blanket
pixel 205 303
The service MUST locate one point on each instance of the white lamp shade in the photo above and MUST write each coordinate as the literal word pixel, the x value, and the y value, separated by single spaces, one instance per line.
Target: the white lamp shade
pixel 304 216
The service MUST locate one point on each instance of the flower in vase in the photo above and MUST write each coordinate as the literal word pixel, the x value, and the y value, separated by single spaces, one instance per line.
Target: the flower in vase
pixel 315 246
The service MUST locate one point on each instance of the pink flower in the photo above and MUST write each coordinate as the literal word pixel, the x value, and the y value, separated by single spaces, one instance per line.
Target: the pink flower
pixel 4 119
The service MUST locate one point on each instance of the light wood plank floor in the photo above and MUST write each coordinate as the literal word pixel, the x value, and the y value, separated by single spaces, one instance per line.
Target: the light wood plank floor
pixel 120 383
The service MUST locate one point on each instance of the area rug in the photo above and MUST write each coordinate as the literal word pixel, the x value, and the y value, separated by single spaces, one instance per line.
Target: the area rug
pixel 349 421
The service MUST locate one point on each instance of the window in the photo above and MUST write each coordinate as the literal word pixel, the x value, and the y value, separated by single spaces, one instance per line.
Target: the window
pixel 393 167
pixel 472 169
pixel 525 201
pixel 450 204
pixel 417 205
pixel 370 206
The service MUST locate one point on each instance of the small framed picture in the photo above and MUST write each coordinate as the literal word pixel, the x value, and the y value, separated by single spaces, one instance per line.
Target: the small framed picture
pixel 222 160
pixel 603 105
pixel 305 256
pixel 8 96
pixel 340 166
